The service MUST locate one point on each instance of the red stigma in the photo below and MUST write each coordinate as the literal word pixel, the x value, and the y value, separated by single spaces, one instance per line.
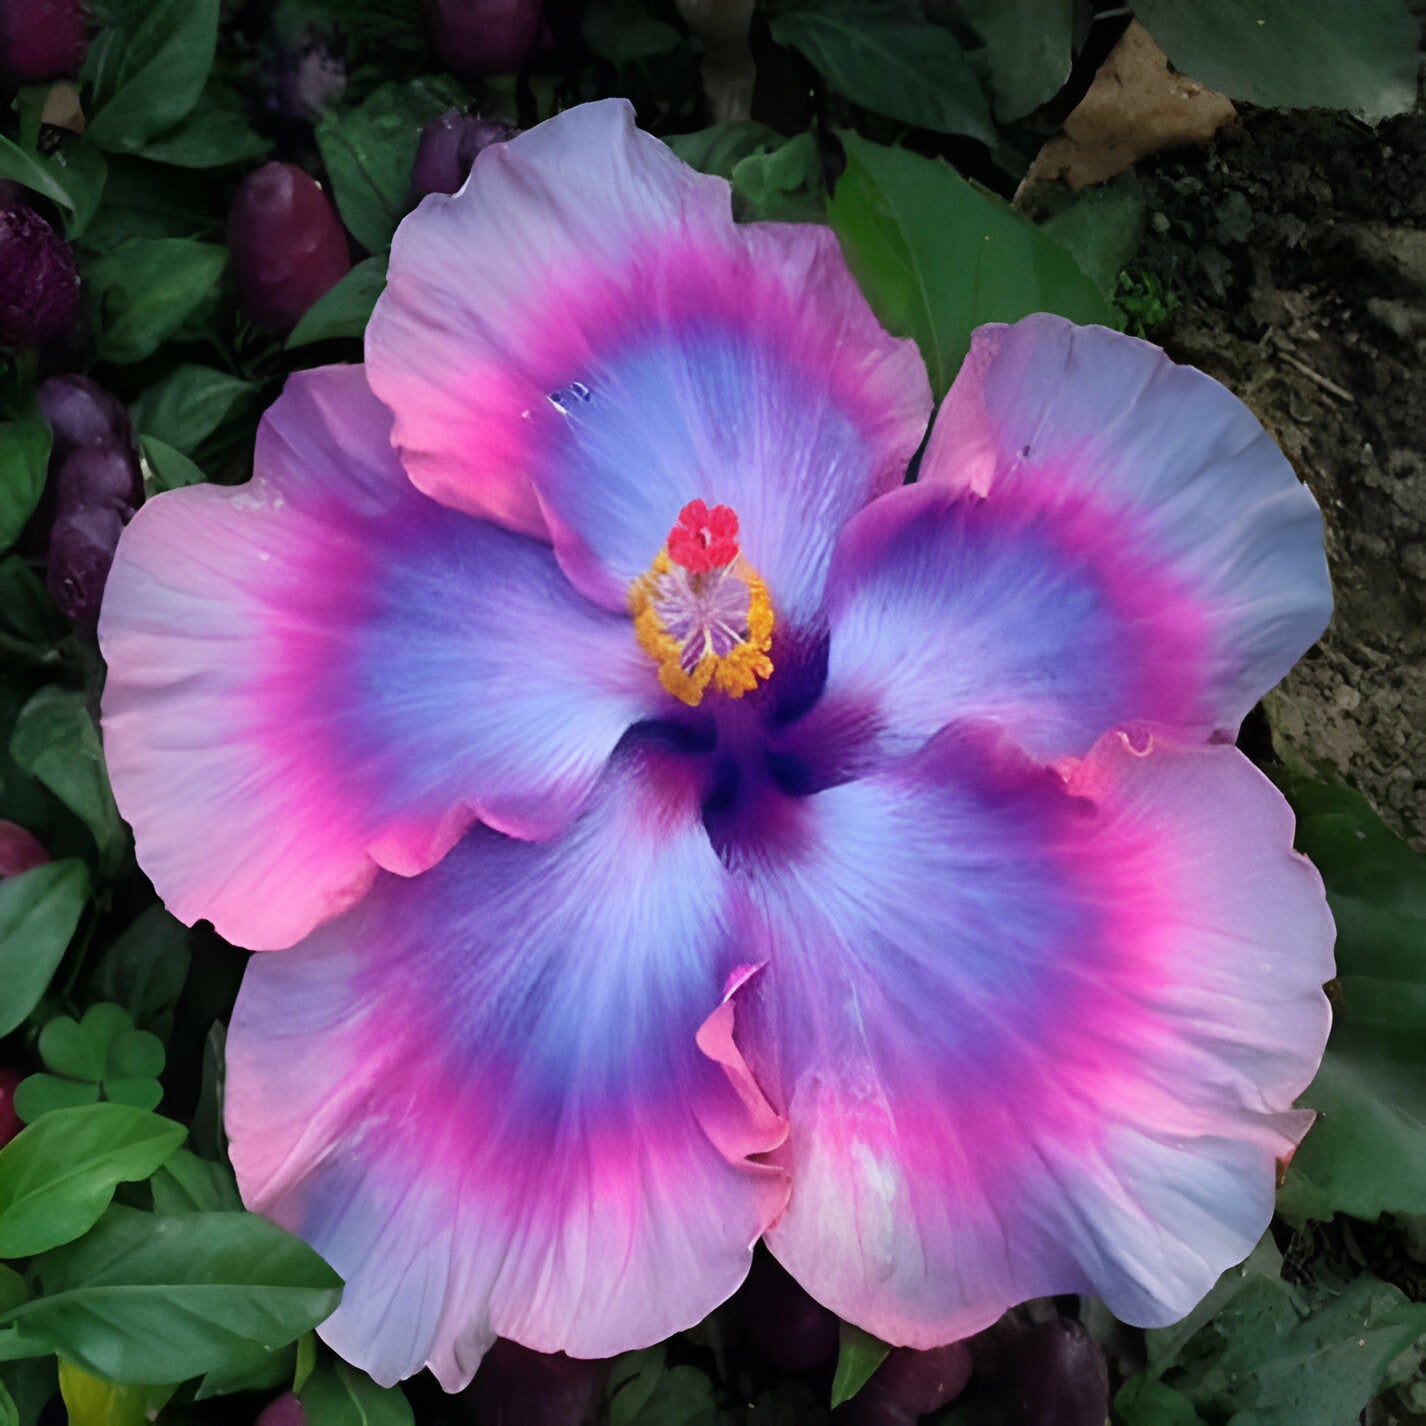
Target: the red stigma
pixel 704 539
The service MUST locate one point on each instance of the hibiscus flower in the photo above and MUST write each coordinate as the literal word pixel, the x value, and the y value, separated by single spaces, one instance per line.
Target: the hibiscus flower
pixel 673 830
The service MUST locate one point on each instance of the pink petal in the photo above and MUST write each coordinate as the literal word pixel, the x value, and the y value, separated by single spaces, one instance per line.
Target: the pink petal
pixel 494 1099
pixel 323 672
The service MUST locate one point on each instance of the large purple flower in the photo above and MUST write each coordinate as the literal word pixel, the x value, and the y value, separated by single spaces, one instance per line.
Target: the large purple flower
pixel 692 834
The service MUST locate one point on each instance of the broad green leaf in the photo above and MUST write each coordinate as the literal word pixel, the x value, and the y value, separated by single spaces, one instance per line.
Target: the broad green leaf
pixel 31 1385
pixel 58 1175
pixel 9 1412
pixel 783 185
pixel 166 468
pixel 144 1296
pixel 55 740
pixel 937 255
pixel 718 149
pixel 188 1184
pixel 72 177
pixel 1028 50
pixel 188 404
pixel 1366 1154
pixel 644 1391
pixel 1101 229
pixel 858 1356
pixel 24 457
pixel 912 71
pixel 39 910
pixel 144 970
pixel 338 1395
pixel 214 135
pixel 145 289
pixel 165 65
pixel 343 310
pixel 369 152
pixel 92 1401
pixel 306 1362
pixel 1264 1359
pixel 1291 54
pixel 258 1369
pixel 26 609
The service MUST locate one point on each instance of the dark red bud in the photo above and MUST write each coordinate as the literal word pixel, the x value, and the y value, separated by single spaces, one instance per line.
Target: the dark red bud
pixel 42 40
pixel 284 1410
pixel 81 413
pixel 10 1122
pixel 19 851
pixel 39 283
pixel 448 148
pixel 790 1329
pixel 518 1387
pixel 287 243
pixel 479 37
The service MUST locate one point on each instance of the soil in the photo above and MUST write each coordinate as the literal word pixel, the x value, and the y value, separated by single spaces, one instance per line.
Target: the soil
pixel 1296 247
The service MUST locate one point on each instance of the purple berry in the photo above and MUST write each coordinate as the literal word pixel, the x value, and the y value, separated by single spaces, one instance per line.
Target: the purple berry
pixel 448 148
pixel 81 549
pixel 1045 1374
pixel 284 1410
pixel 42 40
pixel 99 478
pixel 19 852
pixel 478 37
pixel 791 1330
pixel 287 243
pixel 39 283
pixel 81 413
pixel 518 1387
pixel 923 1381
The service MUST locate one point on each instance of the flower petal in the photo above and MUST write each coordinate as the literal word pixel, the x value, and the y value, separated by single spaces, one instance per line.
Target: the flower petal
pixel 503 1097
pixel 1180 514
pixel 323 671
pixel 1034 1036
pixel 585 315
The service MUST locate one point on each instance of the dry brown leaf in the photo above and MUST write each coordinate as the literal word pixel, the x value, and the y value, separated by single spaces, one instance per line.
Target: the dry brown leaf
pixel 62 108
pixel 1137 105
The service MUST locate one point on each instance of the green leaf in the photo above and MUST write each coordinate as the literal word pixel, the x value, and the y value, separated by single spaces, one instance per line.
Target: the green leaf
pixel 13 1290
pixel 164 68
pixel 188 404
pixel 32 1386
pixel 55 740
pixel 144 970
pixel 1291 54
pixel 58 1175
pixel 9 1412
pixel 26 609
pixel 1143 1401
pixel 144 1296
pixel 214 135
pixel 343 310
pixel 39 910
pixel 67 1049
pixel 937 255
pixel 858 1356
pixel 643 1391
pixel 24 457
pixel 188 1184
pixel 91 1401
pixel 306 1361
pixel 718 149
pixel 1266 1357
pixel 166 468
pixel 1366 1154
pixel 338 1395
pixel 914 72
pixel 1028 50
pixel 39 1094
pixel 145 290
pixel 72 177
pixel 783 186
pixel 369 152
pixel 1101 230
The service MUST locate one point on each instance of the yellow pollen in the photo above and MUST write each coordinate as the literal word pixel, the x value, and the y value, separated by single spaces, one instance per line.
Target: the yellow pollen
pixel 689 665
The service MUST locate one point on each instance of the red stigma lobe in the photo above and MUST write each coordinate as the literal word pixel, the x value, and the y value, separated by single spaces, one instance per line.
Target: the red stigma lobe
pixel 704 539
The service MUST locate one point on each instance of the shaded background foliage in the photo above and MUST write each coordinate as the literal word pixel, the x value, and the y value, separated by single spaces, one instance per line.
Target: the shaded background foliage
pixel 198 198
